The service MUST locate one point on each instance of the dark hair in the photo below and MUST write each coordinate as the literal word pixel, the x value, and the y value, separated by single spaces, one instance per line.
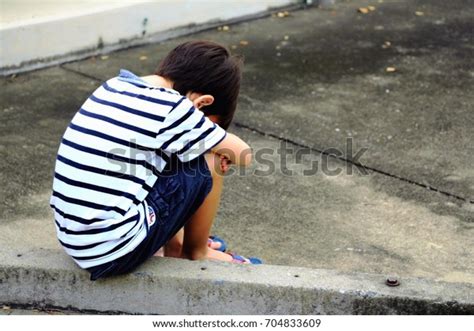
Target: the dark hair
pixel 208 68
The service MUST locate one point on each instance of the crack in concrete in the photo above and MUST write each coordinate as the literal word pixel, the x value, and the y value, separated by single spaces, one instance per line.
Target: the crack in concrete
pixel 80 73
pixel 357 164
pixel 293 142
pixel 52 309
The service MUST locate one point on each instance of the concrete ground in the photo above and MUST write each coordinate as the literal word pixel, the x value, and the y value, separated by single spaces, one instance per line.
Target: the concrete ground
pixel 314 80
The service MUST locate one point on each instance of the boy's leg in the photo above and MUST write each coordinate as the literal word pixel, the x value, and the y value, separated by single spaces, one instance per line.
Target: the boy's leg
pixel 197 228
pixel 174 246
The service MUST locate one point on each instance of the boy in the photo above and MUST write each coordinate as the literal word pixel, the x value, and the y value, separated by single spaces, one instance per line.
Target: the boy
pixel 140 166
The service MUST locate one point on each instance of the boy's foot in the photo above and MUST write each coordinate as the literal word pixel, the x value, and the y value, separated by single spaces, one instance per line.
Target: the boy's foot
pixel 230 257
pixel 217 243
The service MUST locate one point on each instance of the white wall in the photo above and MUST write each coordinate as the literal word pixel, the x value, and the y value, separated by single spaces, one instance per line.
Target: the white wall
pixel 34 32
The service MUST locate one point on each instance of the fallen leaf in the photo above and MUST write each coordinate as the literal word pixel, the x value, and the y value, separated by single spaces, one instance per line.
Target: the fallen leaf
pixel 390 69
pixel 419 13
pixel 225 28
pixel 363 10
pixel 244 42
pixel 104 57
pixel 386 44
pixel 143 58
pixel 286 37
pixel 371 8
pixel 283 14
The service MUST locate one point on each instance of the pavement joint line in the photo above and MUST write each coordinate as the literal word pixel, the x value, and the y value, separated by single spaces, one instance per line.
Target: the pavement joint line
pixel 80 73
pixel 291 141
pixel 357 164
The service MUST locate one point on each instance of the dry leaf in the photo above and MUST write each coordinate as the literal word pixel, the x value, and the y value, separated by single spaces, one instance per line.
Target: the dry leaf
pixel 286 37
pixel 104 57
pixel 419 13
pixel 143 57
pixel 225 28
pixel 363 10
pixel 283 14
pixel 386 44
pixel 244 42
pixel 390 69
pixel 371 8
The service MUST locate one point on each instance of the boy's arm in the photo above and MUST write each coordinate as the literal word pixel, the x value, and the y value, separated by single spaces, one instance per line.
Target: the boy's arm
pixel 234 149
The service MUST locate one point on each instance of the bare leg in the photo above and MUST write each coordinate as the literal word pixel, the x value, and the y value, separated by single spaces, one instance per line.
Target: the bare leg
pixel 197 228
pixel 174 246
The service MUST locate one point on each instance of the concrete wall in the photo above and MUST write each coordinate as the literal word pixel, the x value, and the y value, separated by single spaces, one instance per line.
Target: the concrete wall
pixel 33 33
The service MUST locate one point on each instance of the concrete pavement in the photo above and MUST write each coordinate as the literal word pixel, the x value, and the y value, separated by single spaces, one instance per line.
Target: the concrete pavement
pixel 313 80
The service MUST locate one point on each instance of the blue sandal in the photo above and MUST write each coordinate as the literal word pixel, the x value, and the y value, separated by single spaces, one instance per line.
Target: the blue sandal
pixel 240 259
pixel 216 239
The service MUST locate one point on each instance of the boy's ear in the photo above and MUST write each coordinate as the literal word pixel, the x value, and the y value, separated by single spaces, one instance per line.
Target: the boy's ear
pixel 203 100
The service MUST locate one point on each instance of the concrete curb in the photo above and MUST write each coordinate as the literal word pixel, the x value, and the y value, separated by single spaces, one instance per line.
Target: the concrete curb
pixel 56 33
pixel 48 278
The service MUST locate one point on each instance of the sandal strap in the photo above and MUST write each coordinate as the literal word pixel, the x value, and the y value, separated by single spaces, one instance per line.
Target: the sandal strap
pixel 238 258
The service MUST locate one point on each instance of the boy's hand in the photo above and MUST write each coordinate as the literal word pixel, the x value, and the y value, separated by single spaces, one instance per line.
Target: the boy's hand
pixel 234 150
pixel 225 164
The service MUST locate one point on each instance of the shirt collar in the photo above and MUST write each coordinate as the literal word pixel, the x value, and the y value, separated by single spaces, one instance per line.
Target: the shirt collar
pixel 128 76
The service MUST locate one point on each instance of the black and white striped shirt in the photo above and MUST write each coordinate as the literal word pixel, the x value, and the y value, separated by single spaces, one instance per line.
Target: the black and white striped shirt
pixel 109 158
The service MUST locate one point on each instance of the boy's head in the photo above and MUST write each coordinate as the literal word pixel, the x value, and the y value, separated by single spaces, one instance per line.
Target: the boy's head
pixel 205 68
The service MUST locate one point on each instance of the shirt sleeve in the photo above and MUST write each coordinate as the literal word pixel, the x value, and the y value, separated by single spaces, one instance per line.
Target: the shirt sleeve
pixel 187 133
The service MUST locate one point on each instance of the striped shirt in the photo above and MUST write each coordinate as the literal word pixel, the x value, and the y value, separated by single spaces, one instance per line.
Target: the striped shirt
pixel 109 158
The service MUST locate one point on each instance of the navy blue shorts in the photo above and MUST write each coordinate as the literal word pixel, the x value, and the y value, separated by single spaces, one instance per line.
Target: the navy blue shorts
pixel 178 192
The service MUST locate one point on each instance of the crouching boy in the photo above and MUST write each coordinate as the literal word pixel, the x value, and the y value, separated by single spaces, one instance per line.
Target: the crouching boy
pixel 140 165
